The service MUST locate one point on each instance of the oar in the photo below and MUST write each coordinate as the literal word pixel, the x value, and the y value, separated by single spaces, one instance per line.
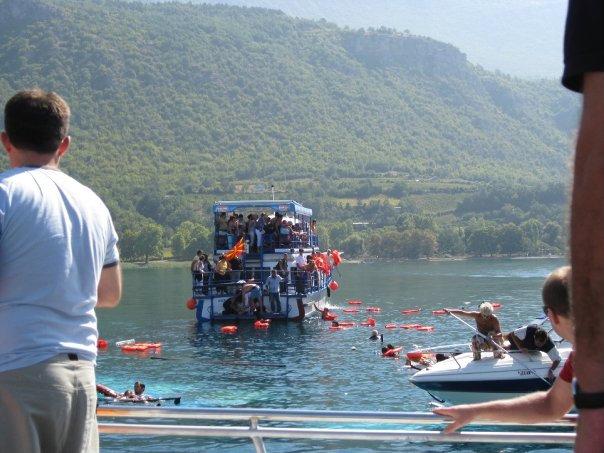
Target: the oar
pixel 490 340
pixel 227 362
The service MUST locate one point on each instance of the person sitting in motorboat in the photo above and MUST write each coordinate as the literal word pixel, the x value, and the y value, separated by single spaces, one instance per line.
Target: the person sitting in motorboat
pixel 537 407
pixel 534 338
pixel 489 331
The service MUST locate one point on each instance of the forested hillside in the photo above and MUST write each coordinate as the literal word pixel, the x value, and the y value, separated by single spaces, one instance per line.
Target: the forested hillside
pixel 518 37
pixel 176 105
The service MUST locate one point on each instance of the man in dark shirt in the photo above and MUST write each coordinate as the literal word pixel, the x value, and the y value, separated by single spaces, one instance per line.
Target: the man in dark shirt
pixel 584 72
pixel 534 338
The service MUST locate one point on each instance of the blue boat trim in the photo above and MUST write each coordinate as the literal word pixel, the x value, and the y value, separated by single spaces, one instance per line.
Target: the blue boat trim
pixel 486 386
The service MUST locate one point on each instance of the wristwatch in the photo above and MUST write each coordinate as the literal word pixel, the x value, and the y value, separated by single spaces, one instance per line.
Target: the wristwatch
pixel 585 400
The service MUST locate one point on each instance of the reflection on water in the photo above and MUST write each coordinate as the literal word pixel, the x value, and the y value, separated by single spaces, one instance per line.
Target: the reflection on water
pixel 304 365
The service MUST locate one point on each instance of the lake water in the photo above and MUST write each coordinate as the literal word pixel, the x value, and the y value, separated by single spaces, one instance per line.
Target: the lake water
pixel 321 371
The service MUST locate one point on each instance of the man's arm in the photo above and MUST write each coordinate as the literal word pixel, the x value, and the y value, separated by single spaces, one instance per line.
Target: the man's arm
pixel 534 408
pixel 587 257
pixel 109 291
pixel 512 336
pixel 467 314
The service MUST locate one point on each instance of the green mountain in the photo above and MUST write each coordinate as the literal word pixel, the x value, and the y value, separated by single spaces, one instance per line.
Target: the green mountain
pixel 518 37
pixel 178 103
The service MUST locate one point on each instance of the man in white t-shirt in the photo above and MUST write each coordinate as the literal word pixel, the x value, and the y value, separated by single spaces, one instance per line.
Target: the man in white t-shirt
pixel 58 261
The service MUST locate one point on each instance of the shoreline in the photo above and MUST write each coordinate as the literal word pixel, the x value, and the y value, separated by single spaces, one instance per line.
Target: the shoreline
pixel 168 264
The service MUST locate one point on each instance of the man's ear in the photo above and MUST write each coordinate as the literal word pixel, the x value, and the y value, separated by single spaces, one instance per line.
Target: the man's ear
pixel 64 146
pixel 8 146
pixel 553 317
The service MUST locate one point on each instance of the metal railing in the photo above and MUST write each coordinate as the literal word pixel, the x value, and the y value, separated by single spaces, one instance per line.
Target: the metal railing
pixel 258 433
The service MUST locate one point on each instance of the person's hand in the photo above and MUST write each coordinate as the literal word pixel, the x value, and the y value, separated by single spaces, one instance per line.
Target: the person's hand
pixel 460 416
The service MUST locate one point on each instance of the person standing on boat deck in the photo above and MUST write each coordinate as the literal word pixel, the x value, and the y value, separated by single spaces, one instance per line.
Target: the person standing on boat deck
pixel 197 267
pixel 534 338
pixel 251 231
pixel 222 228
pixel 584 73
pixel 260 224
pixel 221 273
pixel 58 262
pixel 273 284
pixel 538 407
pixel 487 325
pixel 232 228
pixel 282 268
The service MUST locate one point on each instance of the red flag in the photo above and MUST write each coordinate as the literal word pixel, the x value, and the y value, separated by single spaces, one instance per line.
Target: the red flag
pixel 237 250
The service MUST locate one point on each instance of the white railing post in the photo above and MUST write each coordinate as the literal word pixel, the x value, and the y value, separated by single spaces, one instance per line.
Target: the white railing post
pixel 258 441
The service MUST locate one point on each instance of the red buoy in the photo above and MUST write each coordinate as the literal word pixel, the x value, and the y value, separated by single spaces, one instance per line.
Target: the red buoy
pixel 191 304
pixel 333 285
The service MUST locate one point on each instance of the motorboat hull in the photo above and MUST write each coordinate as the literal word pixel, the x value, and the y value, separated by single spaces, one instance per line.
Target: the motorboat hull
pixel 461 379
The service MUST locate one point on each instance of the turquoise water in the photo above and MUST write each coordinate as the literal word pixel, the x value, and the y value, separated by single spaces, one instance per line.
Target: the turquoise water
pixel 318 369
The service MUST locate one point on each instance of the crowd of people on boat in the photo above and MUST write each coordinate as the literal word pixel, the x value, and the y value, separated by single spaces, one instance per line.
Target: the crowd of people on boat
pixel 225 274
pixel 262 230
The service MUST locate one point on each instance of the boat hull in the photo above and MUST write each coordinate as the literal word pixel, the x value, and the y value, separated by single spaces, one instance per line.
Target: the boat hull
pixel 294 307
pixel 462 380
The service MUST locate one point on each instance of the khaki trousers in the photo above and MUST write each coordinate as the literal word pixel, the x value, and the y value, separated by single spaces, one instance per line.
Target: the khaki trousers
pixel 49 407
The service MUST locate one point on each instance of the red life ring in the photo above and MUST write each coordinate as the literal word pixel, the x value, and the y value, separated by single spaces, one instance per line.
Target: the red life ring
pixel 228 329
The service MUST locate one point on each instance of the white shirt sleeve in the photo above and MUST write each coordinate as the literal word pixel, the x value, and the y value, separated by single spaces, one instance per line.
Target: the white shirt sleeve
pixel 554 354
pixel 112 254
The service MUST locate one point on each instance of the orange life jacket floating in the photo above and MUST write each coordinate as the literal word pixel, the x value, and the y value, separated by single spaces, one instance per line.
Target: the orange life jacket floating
pixel 410 326
pixel 370 322
pixel 140 347
pixel 425 328
pixel 410 311
pixel 355 302
pixel 439 312
pixel 261 324
pixel 347 324
pixel 390 326
pixel 374 309
pixel 228 329
pixel 351 310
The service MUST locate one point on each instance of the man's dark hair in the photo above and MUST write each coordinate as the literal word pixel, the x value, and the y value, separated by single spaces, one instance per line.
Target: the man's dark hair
pixel 36 120
pixel 556 291
pixel 540 335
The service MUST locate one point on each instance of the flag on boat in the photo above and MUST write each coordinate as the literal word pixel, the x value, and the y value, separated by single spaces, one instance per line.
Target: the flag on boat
pixel 236 251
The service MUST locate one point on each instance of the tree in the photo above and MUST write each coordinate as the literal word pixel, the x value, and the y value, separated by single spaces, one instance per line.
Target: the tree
pixel 510 239
pixel 450 241
pixel 353 245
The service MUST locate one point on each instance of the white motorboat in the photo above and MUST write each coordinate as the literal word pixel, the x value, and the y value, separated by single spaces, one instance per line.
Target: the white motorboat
pixel 460 379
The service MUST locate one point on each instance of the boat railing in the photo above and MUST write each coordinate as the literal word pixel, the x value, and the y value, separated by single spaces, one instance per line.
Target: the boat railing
pixel 315 424
pixel 207 285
